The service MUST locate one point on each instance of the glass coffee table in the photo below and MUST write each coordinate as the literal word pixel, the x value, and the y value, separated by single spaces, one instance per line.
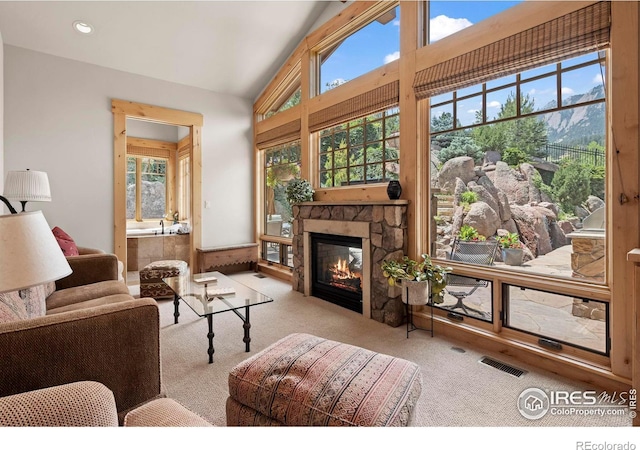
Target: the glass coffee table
pixel 214 293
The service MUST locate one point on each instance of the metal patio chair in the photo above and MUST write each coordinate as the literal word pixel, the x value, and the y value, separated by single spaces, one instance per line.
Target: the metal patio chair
pixel 473 252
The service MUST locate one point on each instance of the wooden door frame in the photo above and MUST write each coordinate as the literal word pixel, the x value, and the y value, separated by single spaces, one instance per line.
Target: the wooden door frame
pixel 123 110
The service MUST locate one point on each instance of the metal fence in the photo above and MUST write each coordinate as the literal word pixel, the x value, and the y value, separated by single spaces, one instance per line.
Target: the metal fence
pixel 558 152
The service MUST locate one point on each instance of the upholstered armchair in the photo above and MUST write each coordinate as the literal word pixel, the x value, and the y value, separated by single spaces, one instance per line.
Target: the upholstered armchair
pixel 88 328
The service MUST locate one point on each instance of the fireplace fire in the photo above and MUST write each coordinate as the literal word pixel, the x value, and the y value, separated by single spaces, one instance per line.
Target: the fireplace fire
pixel 344 278
pixel 337 270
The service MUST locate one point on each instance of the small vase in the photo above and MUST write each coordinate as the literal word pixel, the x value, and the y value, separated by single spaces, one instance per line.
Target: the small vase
pixel 512 256
pixel 394 190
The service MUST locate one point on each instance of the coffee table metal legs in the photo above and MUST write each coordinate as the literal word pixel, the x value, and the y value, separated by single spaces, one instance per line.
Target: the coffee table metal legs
pixel 246 325
pixel 176 311
pixel 210 335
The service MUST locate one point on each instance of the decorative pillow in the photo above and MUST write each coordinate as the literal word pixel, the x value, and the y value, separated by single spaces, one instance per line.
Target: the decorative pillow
pixel 34 301
pixel 66 243
pixel 49 288
pixel 12 307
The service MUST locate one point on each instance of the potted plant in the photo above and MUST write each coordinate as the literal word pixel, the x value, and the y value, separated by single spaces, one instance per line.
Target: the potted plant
pixel 416 279
pixel 299 190
pixel 473 247
pixel 512 251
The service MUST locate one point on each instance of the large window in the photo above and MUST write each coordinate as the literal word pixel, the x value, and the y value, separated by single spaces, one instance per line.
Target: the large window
pixel 146 188
pixel 372 46
pixel 282 163
pixel 520 161
pixel 364 150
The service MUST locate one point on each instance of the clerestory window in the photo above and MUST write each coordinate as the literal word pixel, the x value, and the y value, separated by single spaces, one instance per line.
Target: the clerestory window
pixel 368 48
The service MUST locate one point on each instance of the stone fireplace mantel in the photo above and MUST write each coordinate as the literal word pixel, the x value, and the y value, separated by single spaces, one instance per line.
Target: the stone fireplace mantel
pixel 382 225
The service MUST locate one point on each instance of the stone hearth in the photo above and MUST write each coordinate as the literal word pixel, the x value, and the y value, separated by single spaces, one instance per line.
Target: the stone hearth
pixel 383 229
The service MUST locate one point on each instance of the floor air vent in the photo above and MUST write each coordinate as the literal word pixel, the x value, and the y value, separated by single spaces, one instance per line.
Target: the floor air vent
pixel 503 367
pixel 259 275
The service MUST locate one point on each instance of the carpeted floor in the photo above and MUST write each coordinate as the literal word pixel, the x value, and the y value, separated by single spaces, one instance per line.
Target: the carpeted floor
pixel 458 391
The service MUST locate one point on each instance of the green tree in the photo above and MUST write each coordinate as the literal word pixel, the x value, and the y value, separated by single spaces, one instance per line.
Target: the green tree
pixel 528 134
pixel 571 184
pixel 442 122
pixel 461 146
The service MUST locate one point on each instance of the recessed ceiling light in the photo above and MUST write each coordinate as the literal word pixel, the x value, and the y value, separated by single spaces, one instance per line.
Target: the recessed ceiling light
pixel 82 27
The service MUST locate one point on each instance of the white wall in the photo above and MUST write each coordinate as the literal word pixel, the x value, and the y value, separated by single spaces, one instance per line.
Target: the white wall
pixel 151 130
pixel 58 119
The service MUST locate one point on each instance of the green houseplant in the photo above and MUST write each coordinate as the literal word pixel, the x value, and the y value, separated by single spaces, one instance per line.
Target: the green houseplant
pixel 299 190
pixel 511 247
pixel 408 271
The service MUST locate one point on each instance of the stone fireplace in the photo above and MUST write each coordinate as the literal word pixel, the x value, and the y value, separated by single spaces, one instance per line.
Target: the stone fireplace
pixel 382 229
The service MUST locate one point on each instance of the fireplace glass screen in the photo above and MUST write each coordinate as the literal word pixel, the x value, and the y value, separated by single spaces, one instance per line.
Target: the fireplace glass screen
pixel 337 270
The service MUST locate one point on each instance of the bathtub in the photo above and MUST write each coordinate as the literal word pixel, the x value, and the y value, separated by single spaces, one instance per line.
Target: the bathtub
pixel 155 230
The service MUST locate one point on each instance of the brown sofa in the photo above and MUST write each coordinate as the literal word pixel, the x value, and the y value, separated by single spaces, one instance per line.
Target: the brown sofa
pixel 92 329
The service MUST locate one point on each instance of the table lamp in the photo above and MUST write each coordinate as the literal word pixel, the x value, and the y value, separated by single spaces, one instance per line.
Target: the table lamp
pixel 29 253
pixel 27 186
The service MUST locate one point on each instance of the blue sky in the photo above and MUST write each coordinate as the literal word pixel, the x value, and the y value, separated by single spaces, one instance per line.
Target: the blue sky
pixel 377 44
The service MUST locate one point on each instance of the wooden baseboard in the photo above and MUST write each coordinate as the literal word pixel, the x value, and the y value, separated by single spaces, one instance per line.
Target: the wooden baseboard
pixel 275 271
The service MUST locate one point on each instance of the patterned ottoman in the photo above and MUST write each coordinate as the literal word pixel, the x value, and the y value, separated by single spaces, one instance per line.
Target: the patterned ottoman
pixel 151 284
pixel 305 380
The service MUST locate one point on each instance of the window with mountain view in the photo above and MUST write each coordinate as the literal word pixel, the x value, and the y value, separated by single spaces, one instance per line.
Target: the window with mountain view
pixel 525 154
pixel 370 47
pixel 364 150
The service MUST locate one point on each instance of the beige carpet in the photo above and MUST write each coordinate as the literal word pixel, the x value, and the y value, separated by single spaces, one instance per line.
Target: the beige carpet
pixel 458 391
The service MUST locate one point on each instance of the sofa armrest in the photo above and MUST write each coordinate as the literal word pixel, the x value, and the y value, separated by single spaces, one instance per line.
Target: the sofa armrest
pixel 81 404
pixel 90 251
pixel 117 345
pixel 90 268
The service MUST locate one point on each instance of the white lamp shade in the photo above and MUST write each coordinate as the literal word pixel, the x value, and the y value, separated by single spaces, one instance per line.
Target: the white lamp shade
pixel 29 253
pixel 27 185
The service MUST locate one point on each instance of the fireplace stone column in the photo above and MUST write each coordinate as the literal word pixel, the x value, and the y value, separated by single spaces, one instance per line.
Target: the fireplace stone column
pixel 387 238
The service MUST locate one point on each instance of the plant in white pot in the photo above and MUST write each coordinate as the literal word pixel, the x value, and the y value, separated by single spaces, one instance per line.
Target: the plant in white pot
pixel 512 252
pixel 417 279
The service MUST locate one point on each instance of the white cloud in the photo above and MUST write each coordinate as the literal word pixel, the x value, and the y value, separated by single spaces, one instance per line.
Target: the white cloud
pixel 598 79
pixel 392 57
pixel 472 111
pixel 567 91
pixel 442 26
pixel 494 104
pixel 335 83
pixel 396 23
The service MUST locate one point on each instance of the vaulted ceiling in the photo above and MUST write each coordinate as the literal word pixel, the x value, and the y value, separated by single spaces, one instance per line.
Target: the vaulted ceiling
pixel 232 47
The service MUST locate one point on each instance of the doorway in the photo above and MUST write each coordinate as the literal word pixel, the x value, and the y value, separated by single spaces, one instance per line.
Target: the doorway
pixel 123 110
